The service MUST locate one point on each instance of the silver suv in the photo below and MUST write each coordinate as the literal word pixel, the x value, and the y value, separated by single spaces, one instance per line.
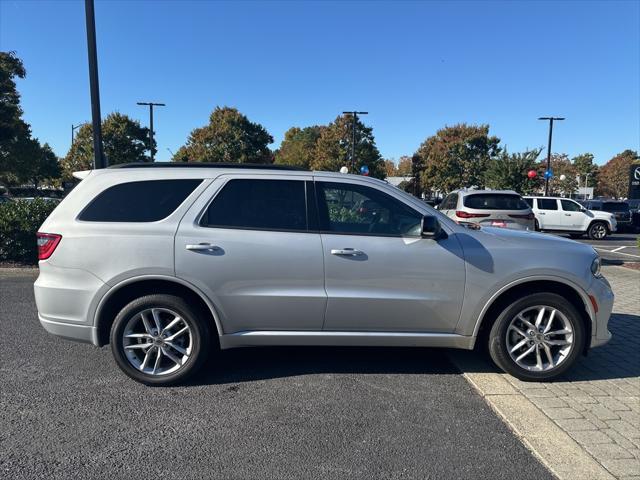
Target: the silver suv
pixel 491 208
pixel 169 262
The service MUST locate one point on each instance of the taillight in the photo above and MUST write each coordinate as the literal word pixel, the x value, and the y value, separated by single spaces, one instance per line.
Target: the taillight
pixel 528 216
pixel 47 243
pixel 463 214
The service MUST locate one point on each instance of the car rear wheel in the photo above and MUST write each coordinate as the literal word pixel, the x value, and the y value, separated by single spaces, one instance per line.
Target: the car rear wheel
pixel 597 231
pixel 537 337
pixel 159 340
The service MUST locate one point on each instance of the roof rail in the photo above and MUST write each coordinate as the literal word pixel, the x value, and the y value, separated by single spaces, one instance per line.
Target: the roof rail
pixel 249 166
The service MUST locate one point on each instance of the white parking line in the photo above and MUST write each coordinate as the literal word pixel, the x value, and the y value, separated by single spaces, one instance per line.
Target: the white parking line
pixel 619 248
pixel 617 253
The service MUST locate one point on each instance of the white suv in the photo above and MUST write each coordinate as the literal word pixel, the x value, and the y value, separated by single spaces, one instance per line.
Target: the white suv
pixel 168 262
pixel 568 216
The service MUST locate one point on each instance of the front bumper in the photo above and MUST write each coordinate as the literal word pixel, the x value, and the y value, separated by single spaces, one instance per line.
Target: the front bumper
pixel 603 295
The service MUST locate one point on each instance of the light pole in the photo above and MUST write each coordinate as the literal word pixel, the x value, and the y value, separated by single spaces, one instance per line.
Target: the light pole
pixel 546 177
pixel 98 157
pixel 354 114
pixel 151 105
pixel 73 129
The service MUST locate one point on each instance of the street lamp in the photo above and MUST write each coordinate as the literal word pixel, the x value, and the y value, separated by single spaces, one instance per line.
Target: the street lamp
pixel 546 177
pixel 151 105
pixel 73 129
pixel 353 142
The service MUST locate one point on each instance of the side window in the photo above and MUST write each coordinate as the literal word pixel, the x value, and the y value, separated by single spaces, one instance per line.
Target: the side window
pixel 547 204
pixel 356 209
pixel 453 201
pixel 529 202
pixel 569 206
pixel 259 204
pixel 145 201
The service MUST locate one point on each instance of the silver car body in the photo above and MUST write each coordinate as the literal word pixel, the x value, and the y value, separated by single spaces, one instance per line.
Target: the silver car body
pixel 484 208
pixel 285 288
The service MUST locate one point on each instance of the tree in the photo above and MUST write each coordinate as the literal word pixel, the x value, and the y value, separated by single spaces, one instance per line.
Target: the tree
pixel 333 150
pixel 229 137
pixel 390 168
pixel 508 171
pixel 124 141
pixel 299 146
pixel 404 166
pixel 613 179
pixel 584 166
pixel 562 166
pixel 456 157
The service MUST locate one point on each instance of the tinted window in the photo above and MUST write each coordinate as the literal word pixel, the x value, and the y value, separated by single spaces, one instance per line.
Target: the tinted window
pixel 356 209
pixel 495 201
pixel 259 204
pixel 529 201
pixel 615 206
pixel 547 204
pixel 146 201
pixel 569 206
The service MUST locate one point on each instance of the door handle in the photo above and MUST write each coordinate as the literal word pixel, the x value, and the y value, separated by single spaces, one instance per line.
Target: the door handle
pixel 346 252
pixel 567 214
pixel 541 213
pixel 199 247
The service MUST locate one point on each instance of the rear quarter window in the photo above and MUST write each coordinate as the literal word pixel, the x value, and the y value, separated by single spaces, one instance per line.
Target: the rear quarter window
pixel 495 201
pixel 144 201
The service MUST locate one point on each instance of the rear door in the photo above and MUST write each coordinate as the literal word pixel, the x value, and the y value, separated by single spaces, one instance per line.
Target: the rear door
pixel 549 216
pixel 380 274
pixel 247 244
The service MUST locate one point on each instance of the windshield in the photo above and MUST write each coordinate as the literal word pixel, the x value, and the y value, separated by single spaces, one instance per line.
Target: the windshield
pixel 495 201
pixel 615 207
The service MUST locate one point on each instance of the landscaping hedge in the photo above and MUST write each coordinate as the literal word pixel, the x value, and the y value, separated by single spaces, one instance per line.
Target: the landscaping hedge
pixel 19 222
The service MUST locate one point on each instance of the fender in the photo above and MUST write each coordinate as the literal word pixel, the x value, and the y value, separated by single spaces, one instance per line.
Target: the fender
pixel 534 278
pixel 123 283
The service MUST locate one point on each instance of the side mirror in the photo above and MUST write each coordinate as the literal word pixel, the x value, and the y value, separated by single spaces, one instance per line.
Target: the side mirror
pixel 431 227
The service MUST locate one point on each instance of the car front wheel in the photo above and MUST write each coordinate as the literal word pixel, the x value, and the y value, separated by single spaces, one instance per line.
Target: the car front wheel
pixel 537 337
pixel 597 231
pixel 159 340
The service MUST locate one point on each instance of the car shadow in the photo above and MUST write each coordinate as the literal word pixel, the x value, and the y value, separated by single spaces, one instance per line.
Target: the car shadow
pixel 620 358
pixel 263 363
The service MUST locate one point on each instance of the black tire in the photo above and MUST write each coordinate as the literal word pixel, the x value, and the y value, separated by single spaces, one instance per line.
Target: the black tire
pixel 198 328
pixel 576 235
pixel 536 226
pixel 595 231
pixel 498 336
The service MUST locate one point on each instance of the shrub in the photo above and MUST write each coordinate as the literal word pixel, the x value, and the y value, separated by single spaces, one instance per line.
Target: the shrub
pixel 19 222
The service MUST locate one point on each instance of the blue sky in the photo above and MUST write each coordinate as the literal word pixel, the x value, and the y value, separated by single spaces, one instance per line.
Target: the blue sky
pixel 415 66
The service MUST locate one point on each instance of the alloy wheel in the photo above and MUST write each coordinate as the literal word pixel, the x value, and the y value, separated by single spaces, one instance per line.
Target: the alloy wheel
pixel 599 231
pixel 539 338
pixel 157 341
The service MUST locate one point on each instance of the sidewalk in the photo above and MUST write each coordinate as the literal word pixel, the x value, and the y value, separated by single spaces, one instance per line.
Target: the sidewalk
pixel 587 425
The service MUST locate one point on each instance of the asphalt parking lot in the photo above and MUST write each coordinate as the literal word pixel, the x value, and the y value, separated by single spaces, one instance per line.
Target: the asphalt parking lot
pixel 616 248
pixel 66 411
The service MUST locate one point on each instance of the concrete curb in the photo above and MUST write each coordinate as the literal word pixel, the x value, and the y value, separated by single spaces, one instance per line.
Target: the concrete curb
pixel 549 443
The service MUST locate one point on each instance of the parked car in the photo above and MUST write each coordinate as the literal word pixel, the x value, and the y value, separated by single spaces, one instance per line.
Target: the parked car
pixel 168 262
pixel 618 208
pixel 634 208
pixel 555 214
pixel 494 208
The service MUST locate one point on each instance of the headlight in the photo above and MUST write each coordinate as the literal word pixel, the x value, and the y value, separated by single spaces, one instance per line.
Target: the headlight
pixel 595 267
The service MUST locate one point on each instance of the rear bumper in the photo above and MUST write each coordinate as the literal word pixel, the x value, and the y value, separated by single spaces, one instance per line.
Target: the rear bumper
pixel 64 298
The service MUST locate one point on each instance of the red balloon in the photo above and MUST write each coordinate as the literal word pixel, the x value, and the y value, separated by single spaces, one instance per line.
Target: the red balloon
pixel 532 174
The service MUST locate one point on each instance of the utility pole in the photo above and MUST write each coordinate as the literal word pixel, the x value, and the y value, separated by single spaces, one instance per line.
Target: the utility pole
pixel 98 157
pixel 354 114
pixel 151 105
pixel 546 177
pixel 73 129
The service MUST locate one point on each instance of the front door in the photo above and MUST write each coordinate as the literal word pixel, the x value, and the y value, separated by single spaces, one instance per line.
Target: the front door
pixel 572 216
pixel 251 252
pixel 380 275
